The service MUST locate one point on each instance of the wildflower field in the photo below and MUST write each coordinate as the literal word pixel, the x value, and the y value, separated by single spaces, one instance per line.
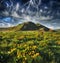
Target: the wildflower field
pixel 30 47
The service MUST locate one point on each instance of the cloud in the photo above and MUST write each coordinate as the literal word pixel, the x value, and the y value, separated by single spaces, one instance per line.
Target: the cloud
pixel 25 13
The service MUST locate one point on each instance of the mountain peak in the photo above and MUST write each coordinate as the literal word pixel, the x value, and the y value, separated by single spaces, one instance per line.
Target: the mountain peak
pixel 29 26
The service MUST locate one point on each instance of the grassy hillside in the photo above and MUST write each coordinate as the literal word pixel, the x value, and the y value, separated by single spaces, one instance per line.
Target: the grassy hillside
pixel 29 43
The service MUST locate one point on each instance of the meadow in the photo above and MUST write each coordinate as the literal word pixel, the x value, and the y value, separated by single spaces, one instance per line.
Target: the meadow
pixel 29 47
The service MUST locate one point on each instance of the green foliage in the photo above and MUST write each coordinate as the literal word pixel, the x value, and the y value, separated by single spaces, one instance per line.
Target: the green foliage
pixel 29 47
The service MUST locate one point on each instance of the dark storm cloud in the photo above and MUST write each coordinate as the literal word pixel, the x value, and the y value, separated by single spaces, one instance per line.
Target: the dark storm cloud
pixel 53 5
pixel 2 2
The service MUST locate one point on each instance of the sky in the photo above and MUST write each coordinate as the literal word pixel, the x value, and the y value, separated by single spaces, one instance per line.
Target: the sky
pixel 3 3
pixel 12 10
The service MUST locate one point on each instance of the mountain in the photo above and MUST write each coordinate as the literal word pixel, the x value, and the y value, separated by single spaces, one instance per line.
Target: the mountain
pixel 27 26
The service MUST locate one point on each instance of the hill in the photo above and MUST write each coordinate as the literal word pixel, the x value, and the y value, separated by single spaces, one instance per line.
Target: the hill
pixel 27 26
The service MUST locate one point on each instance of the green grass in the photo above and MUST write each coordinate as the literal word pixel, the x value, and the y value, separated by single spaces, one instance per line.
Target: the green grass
pixel 29 47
